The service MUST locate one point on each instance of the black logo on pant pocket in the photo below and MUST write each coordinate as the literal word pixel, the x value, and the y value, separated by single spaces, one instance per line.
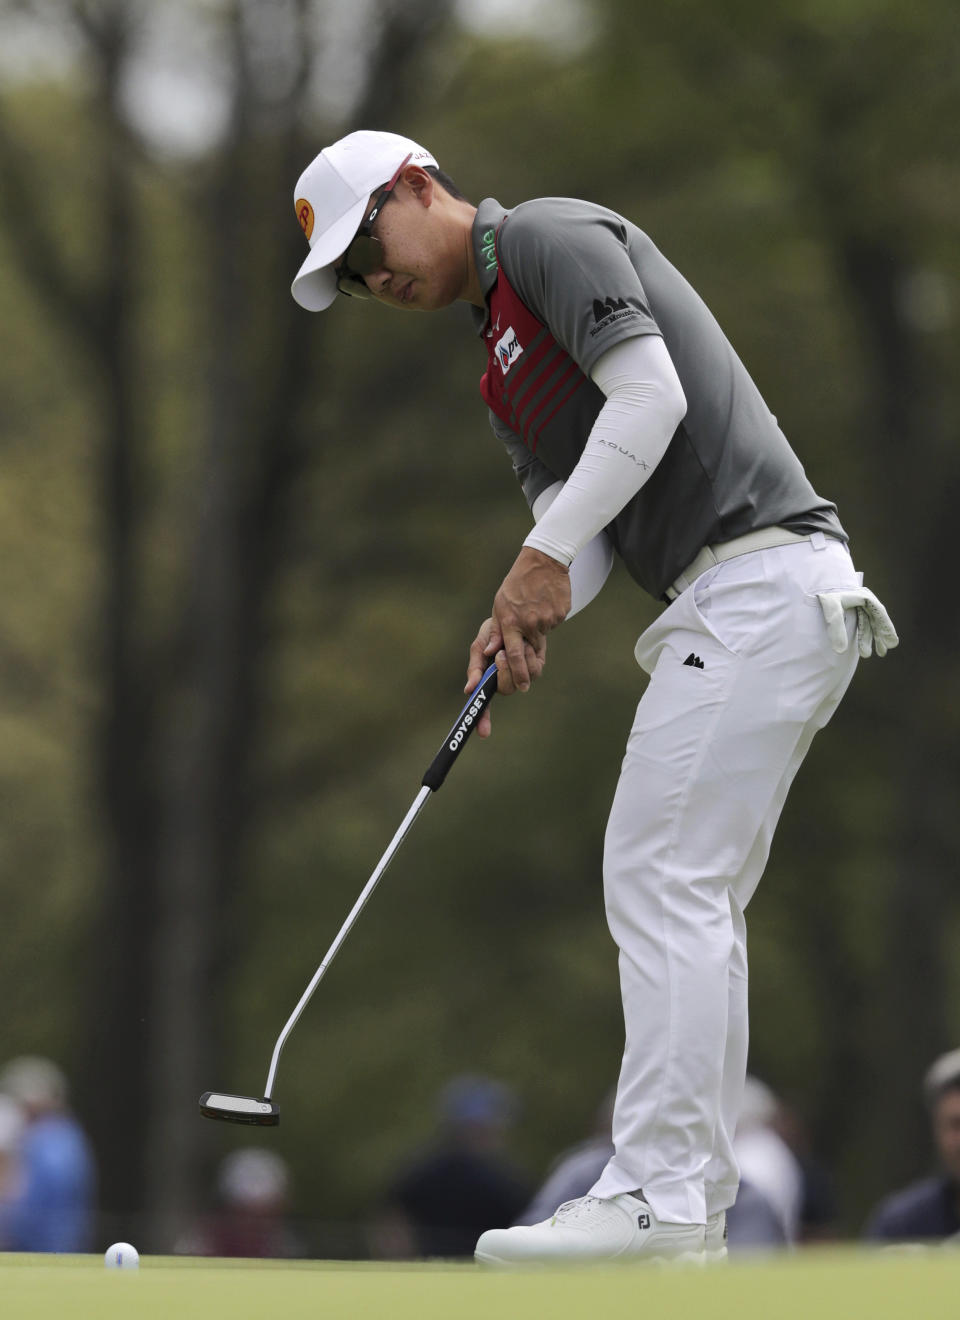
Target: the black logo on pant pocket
pixel 694 660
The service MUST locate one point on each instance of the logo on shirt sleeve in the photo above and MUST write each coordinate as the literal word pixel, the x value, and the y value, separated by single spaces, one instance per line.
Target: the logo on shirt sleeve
pixel 508 349
pixel 604 307
pixel 608 310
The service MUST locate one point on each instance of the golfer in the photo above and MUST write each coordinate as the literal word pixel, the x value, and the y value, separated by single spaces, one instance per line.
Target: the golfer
pixel 634 430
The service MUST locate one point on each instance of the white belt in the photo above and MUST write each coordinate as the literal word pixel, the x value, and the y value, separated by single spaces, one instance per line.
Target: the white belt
pixel 765 538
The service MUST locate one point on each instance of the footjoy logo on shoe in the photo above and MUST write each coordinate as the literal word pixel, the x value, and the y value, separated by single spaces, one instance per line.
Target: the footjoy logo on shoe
pixel 643 1221
pixel 469 715
pixel 694 660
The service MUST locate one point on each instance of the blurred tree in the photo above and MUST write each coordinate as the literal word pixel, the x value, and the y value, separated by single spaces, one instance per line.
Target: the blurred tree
pixel 182 692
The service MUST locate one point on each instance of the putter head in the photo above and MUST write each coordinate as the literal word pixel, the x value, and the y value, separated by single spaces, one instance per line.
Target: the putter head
pixel 239 1109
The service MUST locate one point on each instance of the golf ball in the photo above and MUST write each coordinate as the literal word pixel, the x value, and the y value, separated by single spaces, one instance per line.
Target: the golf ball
pixel 121 1256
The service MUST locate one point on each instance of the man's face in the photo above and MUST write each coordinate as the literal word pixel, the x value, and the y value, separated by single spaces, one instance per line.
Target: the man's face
pixel 423 265
pixel 946 1131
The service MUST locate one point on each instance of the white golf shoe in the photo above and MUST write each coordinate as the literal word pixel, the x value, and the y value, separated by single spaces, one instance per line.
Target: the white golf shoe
pixel 592 1229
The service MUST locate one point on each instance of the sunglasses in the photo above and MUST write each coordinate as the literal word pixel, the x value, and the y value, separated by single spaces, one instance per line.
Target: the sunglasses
pixel 365 253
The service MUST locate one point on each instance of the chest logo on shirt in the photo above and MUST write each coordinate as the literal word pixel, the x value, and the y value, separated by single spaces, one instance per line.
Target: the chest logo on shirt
pixel 508 349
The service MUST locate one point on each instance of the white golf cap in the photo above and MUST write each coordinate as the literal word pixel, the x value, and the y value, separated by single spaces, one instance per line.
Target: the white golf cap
pixel 331 199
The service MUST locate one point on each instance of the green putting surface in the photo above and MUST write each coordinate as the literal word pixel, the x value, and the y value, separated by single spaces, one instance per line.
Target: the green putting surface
pixel 916 1285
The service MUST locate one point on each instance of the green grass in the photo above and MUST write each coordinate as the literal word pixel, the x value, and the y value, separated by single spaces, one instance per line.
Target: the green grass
pixel 817 1285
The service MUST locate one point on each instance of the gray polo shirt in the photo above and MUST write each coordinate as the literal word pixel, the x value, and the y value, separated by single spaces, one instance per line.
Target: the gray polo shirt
pixel 592 279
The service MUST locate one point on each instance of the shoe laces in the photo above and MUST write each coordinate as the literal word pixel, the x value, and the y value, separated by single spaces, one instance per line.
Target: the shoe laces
pixel 578 1209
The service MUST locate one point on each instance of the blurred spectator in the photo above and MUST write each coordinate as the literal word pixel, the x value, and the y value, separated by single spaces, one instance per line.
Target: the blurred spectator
pixel 766 1162
pixel 929 1209
pixel 11 1126
pixel 752 1224
pixel 818 1206
pixel 462 1184
pixel 253 1191
pixel 51 1204
pixel 576 1169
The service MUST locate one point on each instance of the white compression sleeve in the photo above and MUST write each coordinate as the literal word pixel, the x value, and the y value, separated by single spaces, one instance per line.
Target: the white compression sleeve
pixel 591 568
pixel 645 405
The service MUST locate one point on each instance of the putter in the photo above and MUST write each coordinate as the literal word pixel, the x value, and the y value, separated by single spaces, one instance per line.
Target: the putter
pixel 265 1112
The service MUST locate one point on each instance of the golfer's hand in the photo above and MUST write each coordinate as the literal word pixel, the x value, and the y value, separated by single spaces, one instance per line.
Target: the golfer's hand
pixel 533 598
pixel 488 643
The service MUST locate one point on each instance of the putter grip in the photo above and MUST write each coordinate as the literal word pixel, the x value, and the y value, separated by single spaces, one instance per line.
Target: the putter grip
pixel 465 723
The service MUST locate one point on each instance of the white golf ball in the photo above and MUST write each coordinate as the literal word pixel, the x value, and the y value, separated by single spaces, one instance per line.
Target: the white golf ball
pixel 121 1256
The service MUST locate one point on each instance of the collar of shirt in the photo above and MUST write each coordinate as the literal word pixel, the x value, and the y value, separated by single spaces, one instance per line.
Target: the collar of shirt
pixel 486 222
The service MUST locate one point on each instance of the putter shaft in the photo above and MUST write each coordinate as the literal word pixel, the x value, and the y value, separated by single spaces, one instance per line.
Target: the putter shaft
pixel 344 931
pixel 262 1110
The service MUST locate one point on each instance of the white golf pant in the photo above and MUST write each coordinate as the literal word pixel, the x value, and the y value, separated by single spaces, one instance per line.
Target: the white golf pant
pixel 742 676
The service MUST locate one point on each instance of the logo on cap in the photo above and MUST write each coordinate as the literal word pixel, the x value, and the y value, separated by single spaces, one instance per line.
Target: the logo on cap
pixel 305 215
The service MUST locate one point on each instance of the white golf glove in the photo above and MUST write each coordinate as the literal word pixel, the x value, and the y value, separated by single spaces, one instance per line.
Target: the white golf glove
pixel 874 625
